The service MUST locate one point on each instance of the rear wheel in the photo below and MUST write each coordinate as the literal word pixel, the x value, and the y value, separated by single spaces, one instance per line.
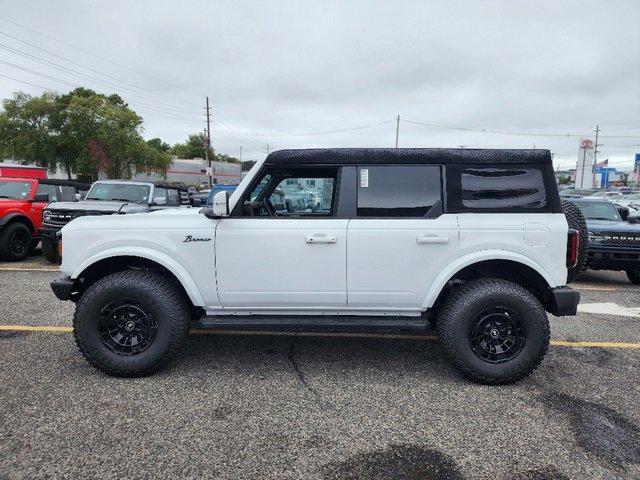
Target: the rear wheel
pixel 576 221
pixel 50 250
pixel 634 276
pixel 495 331
pixel 15 242
pixel 131 323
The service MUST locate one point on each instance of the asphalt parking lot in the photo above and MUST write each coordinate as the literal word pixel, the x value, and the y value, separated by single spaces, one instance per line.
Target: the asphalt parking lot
pixel 272 405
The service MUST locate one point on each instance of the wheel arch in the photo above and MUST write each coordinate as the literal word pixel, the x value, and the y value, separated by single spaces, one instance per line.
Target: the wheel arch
pixel 18 217
pixel 502 264
pixel 115 260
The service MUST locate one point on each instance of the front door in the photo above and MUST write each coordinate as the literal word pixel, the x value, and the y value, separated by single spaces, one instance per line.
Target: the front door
pixel 400 239
pixel 283 248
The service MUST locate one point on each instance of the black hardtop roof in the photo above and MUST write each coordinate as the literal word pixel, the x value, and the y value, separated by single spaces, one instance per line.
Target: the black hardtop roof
pixel 365 156
pixel 64 183
pixel 157 184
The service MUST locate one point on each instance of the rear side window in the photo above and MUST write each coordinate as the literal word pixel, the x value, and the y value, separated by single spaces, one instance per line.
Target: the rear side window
pixel 412 191
pixel 502 188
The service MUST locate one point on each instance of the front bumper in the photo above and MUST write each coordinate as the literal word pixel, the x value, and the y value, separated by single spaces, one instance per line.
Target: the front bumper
pixel 64 287
pixel 564 301
pixel 612 257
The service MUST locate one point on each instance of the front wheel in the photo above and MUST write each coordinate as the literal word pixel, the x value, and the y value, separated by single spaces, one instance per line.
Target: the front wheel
pixel 495 331
pixel 15 242
pixel 131 323
pixel 50 250
pixel 634 276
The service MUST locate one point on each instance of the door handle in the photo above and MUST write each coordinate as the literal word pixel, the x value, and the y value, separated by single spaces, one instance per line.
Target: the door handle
pixel 432 239
pixel 320 238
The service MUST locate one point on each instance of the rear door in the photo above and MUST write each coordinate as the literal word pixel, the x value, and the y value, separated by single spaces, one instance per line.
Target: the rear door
pixel 400 239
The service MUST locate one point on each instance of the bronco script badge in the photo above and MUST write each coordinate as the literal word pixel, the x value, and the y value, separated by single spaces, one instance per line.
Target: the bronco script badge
pixel 189 238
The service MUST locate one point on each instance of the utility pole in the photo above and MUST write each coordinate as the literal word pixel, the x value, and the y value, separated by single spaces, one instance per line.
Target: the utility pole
pixel 208 145
pixel 268 149
pixel 397 129
pixel 595 156
pixel 240 153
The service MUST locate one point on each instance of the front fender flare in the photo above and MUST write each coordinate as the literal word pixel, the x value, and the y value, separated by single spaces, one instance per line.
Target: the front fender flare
pixel 160 258
pixel 12 216
pixel 476 257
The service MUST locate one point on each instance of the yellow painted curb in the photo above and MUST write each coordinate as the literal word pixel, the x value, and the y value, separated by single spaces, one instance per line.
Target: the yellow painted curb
pixel 258 333
pixel 11 269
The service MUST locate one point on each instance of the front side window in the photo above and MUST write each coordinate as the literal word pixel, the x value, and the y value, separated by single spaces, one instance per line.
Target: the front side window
pixel 173 197
pixel 119 192
pixel 49 190
pixel 293 193
pixel 16 190
pixel 67 194
pixel 502 188
pixel 412 191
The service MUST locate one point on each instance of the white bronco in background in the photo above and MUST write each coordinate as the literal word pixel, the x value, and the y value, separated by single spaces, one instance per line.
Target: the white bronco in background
pixel 471 242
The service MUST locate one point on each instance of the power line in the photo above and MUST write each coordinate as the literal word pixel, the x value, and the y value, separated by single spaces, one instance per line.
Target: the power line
pixel 87 52
pixel 91 78
pixel 53 54
pixel 510 132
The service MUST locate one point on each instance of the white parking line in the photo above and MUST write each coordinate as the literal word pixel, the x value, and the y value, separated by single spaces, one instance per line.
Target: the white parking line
pixel 609 308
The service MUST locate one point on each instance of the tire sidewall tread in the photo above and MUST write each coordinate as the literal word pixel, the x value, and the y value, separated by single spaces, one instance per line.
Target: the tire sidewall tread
pixel 454 319
pixel 158 294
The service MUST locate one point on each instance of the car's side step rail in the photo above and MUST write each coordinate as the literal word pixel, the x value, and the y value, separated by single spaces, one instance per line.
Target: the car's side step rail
pixel 305 321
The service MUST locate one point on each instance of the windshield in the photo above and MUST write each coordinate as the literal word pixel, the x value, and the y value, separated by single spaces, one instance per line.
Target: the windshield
pixel 9 189
pixel 599 211
pixel 120 192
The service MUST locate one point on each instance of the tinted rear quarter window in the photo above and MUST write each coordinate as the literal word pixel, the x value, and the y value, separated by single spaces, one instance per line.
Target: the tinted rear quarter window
pixel 412 191
pixel 497 188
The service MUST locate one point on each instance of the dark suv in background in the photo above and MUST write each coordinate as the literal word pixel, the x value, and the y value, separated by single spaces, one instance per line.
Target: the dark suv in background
pixel 614 244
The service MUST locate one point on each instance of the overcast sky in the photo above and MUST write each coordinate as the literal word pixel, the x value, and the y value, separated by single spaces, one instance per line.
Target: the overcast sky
pixel 277 70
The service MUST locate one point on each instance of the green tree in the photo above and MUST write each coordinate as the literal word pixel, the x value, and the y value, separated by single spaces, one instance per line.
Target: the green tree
pixel 194 147
pixel 158 144
pixel 83 132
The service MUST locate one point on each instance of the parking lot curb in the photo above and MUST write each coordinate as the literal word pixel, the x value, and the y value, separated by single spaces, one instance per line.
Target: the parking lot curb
pixel 271 333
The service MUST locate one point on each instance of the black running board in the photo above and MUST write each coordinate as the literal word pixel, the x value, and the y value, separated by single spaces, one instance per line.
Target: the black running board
pixel 304 321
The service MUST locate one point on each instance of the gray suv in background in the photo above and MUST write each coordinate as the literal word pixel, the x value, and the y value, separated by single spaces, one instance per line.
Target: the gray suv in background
pixel 107 197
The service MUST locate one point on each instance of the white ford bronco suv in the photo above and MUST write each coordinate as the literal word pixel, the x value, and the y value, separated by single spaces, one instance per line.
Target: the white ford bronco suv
pixel 473 243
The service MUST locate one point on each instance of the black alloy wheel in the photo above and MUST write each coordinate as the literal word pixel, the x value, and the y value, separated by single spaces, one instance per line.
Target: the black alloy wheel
pixel 497 334
pixel 19 242
pixel 127 327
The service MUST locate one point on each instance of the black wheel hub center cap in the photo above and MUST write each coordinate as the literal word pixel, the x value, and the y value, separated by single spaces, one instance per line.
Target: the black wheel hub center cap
pixel 497 334
pixel 127 327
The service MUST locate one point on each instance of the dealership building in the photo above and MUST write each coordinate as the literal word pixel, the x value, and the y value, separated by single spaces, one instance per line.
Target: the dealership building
pixel 194 171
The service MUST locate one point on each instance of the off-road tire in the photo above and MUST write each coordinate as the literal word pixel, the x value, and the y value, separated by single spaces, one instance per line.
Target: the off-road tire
pixel 50 250
pixel 166 303
pixel 456 318
pixel 634 276
pixel 576 220
pixel 8 235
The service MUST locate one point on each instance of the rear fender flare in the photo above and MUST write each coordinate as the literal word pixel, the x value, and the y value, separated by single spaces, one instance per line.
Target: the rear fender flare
pixel 476 257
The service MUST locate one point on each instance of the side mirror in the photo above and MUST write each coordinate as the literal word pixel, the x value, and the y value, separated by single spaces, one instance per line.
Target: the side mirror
pixel 196 202
pixel 78 197
pixel 220 204
pixel 41 197
pixel 219 207
pixel 634 217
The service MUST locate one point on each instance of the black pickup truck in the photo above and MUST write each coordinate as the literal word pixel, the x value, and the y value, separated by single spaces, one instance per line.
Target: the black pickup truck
pixel 614 244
